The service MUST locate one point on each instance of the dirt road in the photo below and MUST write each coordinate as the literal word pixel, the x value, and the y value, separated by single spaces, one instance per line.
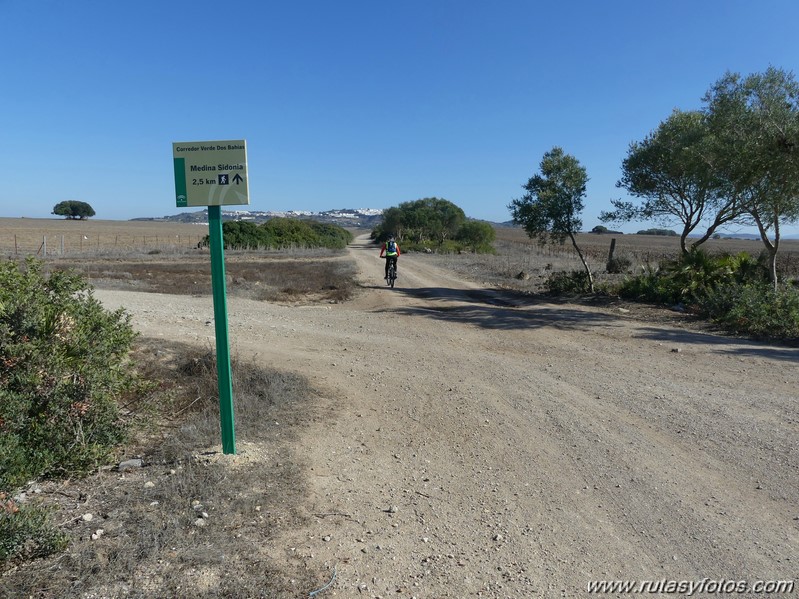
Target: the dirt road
pixel 481 448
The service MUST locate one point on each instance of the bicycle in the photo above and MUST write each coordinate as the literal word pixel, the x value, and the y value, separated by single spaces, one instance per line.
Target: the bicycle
pixel 391 274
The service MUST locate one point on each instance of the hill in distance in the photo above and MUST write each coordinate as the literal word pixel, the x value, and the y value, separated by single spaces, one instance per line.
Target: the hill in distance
pixel 346 217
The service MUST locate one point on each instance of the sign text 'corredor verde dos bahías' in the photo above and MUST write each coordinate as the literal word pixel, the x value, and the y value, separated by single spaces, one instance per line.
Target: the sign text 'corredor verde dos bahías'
pixel 211 173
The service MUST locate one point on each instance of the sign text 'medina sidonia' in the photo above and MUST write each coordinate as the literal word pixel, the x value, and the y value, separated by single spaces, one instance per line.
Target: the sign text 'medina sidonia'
pixel 228 159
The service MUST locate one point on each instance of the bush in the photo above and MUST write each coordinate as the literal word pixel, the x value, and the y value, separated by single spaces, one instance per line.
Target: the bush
pixel 618 264
pixel 26 531
pixel 278 233
pixel 63 368
pixel 692 277
pixel 756 310
pixel 477 236
pixel 733 291
pixel 575 281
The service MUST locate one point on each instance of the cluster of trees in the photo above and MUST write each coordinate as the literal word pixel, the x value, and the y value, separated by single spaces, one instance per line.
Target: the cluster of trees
pixel 278 233
pixel 434 221
pixel 73 209
pixel 662 232
pixel 734 161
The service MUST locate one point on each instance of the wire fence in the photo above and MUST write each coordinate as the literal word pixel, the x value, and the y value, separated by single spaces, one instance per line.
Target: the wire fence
pixel 79 244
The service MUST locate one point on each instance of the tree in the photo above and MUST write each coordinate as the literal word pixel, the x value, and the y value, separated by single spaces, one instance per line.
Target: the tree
pixel 476 234
pixel 428 219
pixel 73 209
pixel 550 210
pixel 672 171
pixel 755 124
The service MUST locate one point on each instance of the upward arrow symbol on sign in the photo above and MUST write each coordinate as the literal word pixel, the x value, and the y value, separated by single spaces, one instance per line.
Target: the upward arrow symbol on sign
pixel 237 178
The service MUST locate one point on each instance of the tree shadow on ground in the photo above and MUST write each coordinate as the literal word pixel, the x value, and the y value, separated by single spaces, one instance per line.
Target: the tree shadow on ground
pixel 499 309
pixel 722 344
pixel 496 309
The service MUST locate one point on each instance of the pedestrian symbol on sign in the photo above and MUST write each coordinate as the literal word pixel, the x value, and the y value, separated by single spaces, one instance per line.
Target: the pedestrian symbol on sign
pixel 223 179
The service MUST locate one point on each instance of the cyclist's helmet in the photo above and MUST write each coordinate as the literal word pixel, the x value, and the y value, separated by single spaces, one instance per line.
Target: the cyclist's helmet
pixel 391 238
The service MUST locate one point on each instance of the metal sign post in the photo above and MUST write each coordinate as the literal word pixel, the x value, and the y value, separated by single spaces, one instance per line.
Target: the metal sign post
pixel 214 174
pixel 223 370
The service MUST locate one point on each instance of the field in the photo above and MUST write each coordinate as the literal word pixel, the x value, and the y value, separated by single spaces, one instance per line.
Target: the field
pixel 154 242
pixel 60 237
pixel 522 264
pixel 163 257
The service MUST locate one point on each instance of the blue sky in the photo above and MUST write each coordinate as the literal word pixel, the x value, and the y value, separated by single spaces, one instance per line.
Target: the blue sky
pixel 355 104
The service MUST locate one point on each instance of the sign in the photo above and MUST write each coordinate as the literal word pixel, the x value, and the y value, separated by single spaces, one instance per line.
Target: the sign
pixel 211 173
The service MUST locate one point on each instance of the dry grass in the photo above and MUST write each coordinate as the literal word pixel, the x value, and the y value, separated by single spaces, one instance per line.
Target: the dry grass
pixel 163 257
pixel 192 522
pixel 60 237
pixel 298 276
pixel 522 264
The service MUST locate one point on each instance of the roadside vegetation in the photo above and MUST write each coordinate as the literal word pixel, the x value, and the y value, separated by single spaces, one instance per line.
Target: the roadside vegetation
pixel 79 393
pixel 733 291
pixel 64 381
pixel 734 162
pixel 726 283
pixel 282 233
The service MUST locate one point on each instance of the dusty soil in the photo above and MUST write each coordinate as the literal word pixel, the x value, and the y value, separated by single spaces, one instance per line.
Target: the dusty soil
pixel 486 445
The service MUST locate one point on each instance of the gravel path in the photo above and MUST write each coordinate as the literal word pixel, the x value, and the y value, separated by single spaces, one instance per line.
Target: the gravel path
pixel 481 448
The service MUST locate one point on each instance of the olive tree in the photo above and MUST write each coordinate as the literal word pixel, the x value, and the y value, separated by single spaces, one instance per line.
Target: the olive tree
pixel 551 207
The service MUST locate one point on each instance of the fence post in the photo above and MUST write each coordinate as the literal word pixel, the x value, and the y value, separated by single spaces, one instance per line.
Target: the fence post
pixel 15 245
pixel 612 249
pixel 44 246
pixel 62 245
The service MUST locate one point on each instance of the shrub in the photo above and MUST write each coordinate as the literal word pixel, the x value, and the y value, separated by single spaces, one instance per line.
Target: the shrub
pixel 692 277
pixel 561 282
pixel 26 531
pixel 277 233
pixel 477 236
pixel 755 309
pixel 63 366
pixel 618 264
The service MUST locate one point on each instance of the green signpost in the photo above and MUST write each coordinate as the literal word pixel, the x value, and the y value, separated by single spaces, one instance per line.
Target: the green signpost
pixel 214 174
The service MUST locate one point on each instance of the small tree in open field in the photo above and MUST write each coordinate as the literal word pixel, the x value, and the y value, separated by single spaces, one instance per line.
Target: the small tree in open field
pixel 550 210
pixel 73 209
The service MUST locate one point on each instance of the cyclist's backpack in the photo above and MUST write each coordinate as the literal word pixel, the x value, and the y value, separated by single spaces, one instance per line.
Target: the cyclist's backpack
pixel 391 247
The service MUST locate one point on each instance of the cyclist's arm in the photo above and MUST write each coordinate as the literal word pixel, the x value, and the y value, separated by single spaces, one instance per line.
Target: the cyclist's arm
pixel 382 250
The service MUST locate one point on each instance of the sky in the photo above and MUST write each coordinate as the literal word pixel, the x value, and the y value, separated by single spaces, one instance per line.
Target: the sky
pixel 355 104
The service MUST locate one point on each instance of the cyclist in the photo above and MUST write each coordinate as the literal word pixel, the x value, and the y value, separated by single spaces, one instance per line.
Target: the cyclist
pixel 392 251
